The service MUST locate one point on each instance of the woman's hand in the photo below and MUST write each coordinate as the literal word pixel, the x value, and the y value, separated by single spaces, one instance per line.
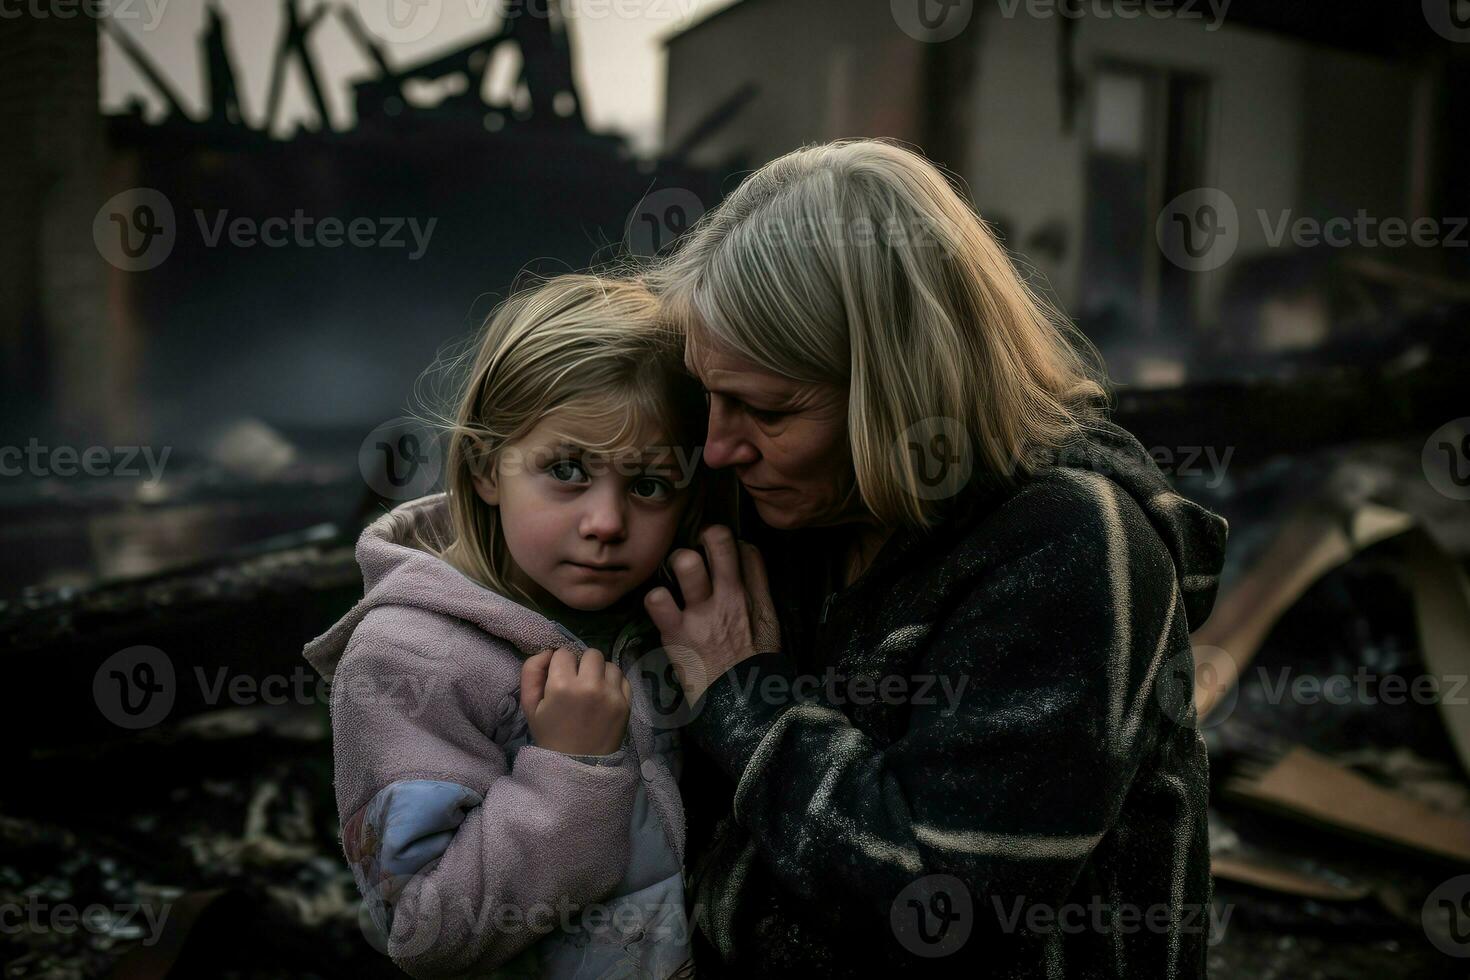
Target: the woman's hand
pixel 575 707
pixel 728 615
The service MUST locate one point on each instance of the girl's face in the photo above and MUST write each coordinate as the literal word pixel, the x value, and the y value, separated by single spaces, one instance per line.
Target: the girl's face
pixel 582 527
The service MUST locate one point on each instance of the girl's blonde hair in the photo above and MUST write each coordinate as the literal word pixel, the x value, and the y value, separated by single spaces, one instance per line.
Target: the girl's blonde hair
pixel 594 348
pixel 857 263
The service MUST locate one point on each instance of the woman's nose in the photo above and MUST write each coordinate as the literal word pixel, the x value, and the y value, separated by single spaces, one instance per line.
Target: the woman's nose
pixel 604 518
pixel 725 443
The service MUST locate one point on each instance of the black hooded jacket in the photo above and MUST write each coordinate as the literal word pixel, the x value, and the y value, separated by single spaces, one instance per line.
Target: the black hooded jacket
pixel 980 758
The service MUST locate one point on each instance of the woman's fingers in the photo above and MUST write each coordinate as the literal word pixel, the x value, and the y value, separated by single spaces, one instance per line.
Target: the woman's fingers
pixel 724 560
pixel 692 576
pixel 689 669
pixel 663 610
pixel 765 628
pixel 753 570
pixel 533 680
pixel 720 620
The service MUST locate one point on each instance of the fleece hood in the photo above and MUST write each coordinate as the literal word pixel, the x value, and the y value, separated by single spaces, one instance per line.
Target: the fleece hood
pixel 1194 536
pixel 396 571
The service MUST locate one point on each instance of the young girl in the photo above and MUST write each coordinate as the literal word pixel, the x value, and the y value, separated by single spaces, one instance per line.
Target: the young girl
pixel 501 811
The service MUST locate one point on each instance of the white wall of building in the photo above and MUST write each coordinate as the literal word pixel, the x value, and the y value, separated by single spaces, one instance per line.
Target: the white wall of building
pixel 1269 100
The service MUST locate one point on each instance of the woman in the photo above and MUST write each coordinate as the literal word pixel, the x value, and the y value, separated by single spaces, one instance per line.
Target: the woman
pixel 961 735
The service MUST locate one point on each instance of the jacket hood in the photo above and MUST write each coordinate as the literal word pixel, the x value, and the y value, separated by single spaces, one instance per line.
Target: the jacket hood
pixel 396 571
pixel 1194 536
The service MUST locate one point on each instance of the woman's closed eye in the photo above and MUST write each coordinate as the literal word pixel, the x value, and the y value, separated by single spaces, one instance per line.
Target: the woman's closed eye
pixel 762 414
pixel 766 416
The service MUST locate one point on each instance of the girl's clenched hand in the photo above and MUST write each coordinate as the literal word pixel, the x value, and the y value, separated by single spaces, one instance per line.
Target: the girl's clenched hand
pixel 575 707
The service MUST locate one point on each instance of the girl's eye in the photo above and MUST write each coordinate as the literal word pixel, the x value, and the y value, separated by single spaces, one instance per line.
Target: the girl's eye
pixel 567 471
pixel 652 488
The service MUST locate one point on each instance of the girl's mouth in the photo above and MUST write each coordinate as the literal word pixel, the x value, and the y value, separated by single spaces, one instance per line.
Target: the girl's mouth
pixel 604 569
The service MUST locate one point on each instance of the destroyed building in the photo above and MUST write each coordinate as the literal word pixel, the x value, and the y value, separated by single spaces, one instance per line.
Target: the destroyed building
pixel 1314 395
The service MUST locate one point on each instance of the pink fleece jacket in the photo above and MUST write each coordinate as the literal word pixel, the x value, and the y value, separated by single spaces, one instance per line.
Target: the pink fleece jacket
pixel 477 851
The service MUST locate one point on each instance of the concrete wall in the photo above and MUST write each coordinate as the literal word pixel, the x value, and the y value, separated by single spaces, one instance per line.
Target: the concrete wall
pixel 824 70
pixel 55 367
pixel 1291 126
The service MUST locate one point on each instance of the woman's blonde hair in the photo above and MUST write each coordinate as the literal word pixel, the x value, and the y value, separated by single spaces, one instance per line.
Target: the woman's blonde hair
pixel 858 263
pixel 594 348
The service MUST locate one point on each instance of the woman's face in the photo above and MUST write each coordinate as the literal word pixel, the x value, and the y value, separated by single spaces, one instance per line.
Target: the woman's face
pixel 787 440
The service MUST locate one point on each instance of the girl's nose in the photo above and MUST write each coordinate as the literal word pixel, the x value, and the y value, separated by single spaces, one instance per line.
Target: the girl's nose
pixel 725 443
pixel 604 519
